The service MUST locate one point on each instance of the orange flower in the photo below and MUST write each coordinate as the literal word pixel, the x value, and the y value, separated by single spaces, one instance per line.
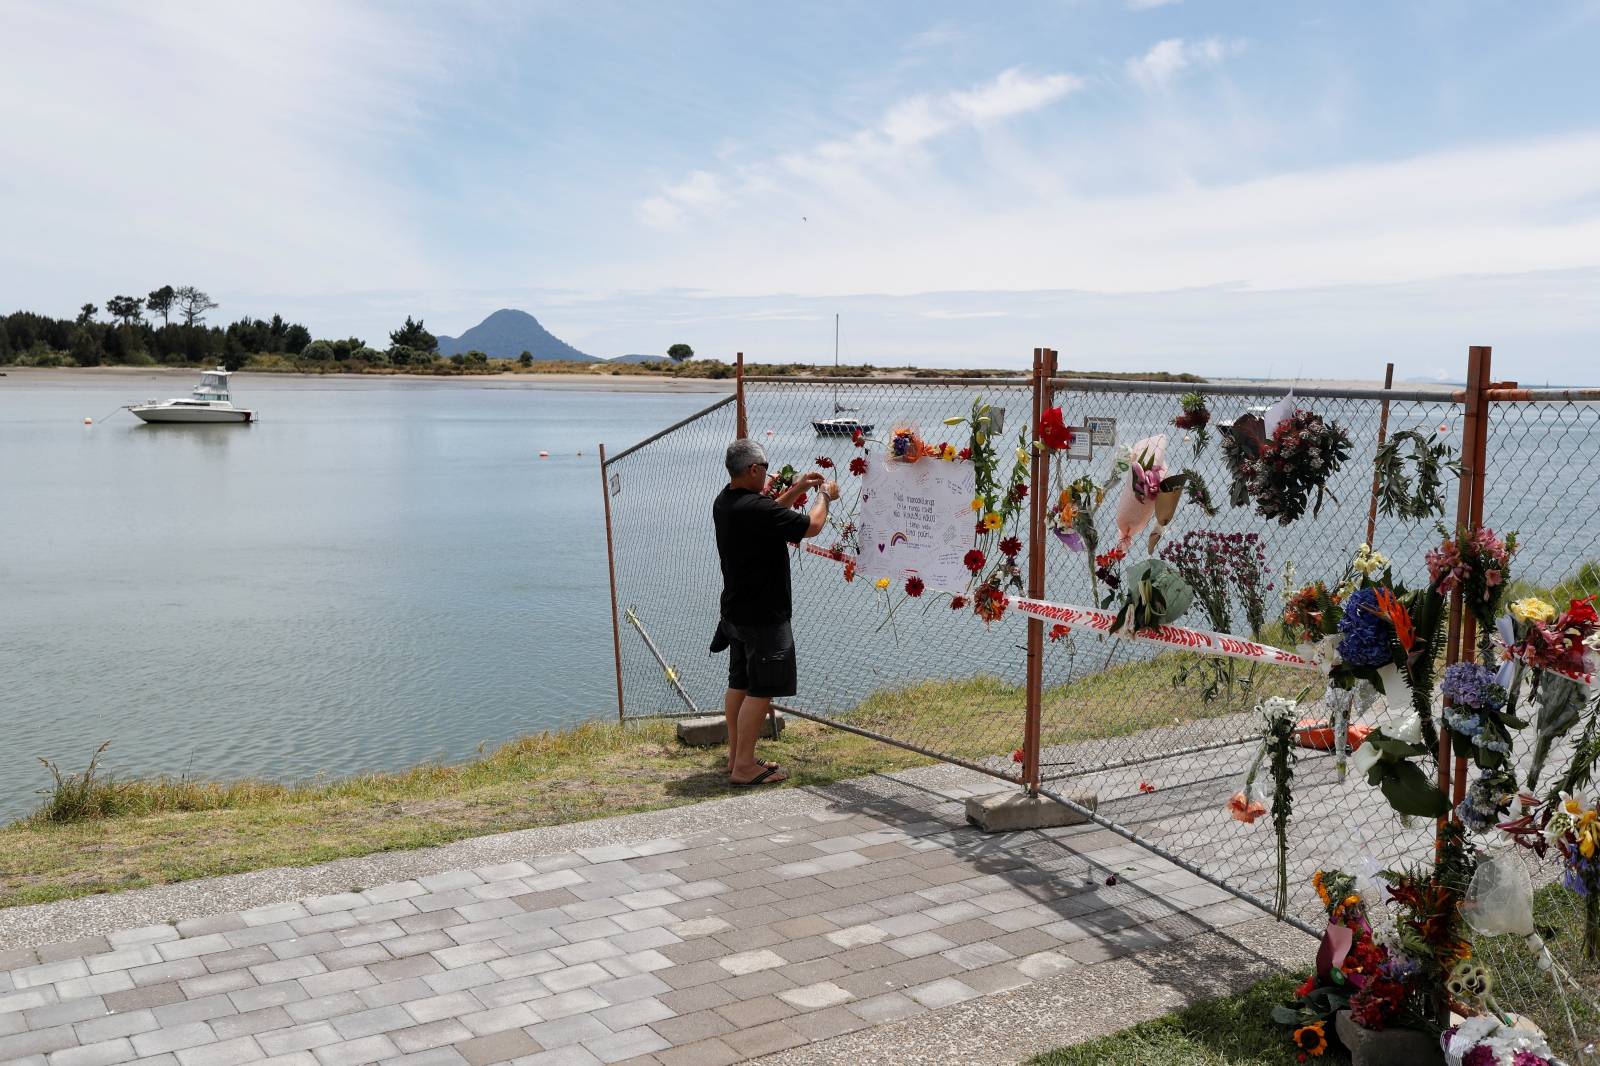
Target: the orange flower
pixel 1244 809
pixel 1390 606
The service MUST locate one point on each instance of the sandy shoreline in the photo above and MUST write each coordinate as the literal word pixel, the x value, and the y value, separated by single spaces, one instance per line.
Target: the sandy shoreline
pixel 181 378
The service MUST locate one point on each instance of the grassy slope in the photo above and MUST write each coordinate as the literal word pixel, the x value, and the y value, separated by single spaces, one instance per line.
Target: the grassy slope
pixel 153 832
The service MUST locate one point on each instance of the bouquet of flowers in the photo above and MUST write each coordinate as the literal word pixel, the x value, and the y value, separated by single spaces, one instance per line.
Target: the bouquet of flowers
pixel 1573 832
pixel 1281 466
pixel 1478 564
pixel 1312 614
pixel 1480 724
pixel 1354 969
pixel 1534 634
pixel 1195 416
pixel 907 447
pixel 1155 596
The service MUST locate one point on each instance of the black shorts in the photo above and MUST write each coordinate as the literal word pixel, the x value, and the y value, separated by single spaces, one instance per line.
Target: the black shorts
pixel 761 659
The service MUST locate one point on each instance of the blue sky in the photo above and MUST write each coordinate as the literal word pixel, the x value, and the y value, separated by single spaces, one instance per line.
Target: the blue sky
pixel 1299 189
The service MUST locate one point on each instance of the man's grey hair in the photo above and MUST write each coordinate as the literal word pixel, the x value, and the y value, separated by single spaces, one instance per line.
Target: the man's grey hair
pixel 742 455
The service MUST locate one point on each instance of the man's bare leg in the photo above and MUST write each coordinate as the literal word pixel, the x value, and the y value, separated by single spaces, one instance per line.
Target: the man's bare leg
pixel 745 766
pixel 730 711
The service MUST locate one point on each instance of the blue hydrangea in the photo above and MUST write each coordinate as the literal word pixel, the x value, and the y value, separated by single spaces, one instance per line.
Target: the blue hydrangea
pixel 1463 721
pixel 1367 634
pixel 1480 811
pixel 1470 685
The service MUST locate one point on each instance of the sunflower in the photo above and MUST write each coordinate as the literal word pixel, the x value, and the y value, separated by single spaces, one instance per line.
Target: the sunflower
pixel 1312 1039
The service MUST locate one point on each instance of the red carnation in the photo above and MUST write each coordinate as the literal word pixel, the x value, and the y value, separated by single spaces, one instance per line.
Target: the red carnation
pixel 973 560
pixel 858 438
pixel 824 463
pixel 1016 756
pixel 858 466
pixel 957 602
pixel 1057 632
pixel 1019 492
pixel 964 454
pixel 1010 547
pixel 914 586
pixel 1053 430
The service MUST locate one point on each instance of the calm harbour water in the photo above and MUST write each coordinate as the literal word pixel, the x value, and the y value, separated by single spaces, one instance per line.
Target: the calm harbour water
pixel 377 573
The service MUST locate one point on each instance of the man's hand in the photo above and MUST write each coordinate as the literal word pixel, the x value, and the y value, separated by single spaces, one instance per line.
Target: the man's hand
pixel 811 480
pixel 831 489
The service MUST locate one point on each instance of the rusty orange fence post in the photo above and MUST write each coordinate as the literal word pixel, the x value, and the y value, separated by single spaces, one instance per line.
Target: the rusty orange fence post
pixel 1044 368
pixel 1462 627
pixel 611 570
pixel 738 392
pixel 1383 434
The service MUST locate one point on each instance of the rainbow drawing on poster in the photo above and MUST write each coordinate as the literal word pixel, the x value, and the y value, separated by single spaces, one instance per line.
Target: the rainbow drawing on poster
pixel 898 538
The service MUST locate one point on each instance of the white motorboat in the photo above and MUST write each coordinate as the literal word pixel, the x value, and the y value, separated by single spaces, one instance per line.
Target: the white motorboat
pixel 210 402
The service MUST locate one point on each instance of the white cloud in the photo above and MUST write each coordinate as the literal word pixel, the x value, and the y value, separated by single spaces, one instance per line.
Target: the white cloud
pixel 1168 58
pixel 235 147
pixel 905 126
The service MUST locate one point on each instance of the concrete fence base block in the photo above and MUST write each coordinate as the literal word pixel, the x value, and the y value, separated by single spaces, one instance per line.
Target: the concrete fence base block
pixel 1007 812
pixel 713 729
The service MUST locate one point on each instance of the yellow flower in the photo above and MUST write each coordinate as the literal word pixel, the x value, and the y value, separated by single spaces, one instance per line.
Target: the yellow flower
pixel 981 438
pixel 882 582
pixel 992 521
pixel 1022 455
pixel 1533 609
pixel 949 453
pixel 1368 562
pixel 955 420
pixel 977 504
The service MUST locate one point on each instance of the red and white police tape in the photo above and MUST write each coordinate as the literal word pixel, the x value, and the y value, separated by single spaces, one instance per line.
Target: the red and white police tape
pixel 1197 640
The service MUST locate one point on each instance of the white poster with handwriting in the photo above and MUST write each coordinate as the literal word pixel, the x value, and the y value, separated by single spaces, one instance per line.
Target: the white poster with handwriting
pixel 916 518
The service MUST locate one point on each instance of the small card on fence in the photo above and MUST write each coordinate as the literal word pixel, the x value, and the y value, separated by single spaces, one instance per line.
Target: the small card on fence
pixel 1102 431
pixel 616 484
pixel 1082 444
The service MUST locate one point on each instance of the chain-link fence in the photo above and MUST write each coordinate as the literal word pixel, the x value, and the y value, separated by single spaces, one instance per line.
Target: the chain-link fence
pixel 1161 738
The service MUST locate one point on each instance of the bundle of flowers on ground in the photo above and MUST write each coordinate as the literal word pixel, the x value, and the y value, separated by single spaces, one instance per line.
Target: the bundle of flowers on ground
pixel 1355 971
pixel 1487 1041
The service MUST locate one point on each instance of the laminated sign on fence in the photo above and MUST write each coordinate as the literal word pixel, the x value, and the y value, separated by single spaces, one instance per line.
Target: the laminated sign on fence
pixel 916 519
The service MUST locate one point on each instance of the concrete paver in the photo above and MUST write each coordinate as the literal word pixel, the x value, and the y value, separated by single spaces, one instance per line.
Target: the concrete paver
pixel 755 938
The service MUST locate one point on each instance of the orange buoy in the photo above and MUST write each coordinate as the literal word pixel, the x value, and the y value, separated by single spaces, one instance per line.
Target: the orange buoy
pixel 544 455
pixel 88 421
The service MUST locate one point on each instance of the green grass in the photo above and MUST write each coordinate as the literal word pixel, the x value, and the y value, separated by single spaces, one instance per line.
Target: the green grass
pixel 1231 1031
pixel 96 833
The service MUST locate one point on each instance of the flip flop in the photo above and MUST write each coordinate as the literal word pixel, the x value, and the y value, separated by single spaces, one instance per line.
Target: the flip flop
pixel 768 765
pixel 763 778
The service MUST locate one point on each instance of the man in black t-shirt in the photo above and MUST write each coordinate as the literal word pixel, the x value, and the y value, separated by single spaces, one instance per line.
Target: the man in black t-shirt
pixel 753 537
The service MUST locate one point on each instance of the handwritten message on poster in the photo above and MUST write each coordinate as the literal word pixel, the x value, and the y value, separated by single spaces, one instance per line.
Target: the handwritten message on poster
pixel 916 518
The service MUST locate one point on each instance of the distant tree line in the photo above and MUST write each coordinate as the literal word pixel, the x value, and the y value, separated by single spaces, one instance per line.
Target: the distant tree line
pixel 167 327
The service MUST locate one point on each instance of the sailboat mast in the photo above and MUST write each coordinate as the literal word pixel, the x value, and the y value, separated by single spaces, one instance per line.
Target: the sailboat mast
pixel 836 407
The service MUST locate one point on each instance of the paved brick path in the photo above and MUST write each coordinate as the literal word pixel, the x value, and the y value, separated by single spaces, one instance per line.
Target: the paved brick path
pixel 711 948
